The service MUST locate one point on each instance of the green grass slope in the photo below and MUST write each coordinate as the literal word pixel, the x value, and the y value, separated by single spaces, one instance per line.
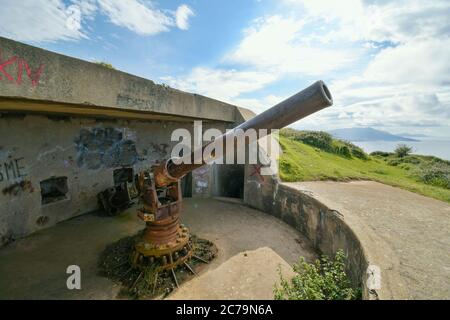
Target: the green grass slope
pixel 301 161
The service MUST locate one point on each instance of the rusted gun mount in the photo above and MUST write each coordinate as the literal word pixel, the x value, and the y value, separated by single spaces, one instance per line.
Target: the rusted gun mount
pixel 165 240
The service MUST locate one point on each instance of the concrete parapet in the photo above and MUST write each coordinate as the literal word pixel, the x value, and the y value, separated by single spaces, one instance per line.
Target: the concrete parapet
pixel 325 228
pixel 62 84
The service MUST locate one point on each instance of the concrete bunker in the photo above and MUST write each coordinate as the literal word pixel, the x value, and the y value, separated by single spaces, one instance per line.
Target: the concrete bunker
pixel 229 181
pixel 93 137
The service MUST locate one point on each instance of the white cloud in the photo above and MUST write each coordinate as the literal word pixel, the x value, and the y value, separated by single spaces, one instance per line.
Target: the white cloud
pixel 136 16
pixel 424 63
pixel 345 10
pixel 277 42
pixel 220 83
pixel 258 105
pixel 228 86
pixel 372 20
pixel 182 16
pixel 272 47
pixel 405 85
pixel 40 20
pixel 87 7
pixel 53 20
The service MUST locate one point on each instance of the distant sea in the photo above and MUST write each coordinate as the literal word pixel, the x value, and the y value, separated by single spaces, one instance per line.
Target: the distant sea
pixel 438 148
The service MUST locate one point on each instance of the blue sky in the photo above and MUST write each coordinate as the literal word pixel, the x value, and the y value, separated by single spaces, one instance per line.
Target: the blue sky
pixel 386 62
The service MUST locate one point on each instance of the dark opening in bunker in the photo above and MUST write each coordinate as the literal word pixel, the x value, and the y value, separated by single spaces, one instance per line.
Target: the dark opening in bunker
pixel 229 181
pixel 54 189
pixel 122 175
pixel 186 186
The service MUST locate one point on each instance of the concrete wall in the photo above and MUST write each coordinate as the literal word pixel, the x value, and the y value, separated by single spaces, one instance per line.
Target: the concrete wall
pixel 325 228
pixel 84 150
pixel 30 73
pixel 76 122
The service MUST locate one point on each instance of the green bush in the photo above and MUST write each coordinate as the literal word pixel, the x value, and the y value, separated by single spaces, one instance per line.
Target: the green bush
pixel 343 151
pixel 318 139
pixel 288 132
pixel 437 174
pixel 324 141
pixel 358 152
pixel 323 280
pixel 402 150
pixel 394 162
pixel 411 159
pixel 380 154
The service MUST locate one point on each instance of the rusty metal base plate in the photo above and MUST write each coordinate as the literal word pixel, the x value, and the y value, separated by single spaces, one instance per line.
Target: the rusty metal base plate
pixel 166 256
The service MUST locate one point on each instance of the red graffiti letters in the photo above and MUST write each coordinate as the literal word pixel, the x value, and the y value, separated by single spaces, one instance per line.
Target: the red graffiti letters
pixel 257 172
pixel 3 65
pixel 21 65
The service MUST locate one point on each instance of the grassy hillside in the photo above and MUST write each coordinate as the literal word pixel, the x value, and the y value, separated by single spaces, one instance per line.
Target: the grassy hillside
pixel 311 156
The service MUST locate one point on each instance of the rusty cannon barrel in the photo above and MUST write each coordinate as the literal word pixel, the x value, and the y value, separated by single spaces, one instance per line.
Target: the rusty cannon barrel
pixel 306 102
pixel 165 243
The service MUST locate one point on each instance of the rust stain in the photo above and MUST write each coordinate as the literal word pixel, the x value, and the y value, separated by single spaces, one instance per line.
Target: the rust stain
pixel 16 188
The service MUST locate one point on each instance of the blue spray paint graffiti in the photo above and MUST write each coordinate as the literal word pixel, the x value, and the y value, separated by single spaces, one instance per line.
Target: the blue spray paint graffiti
pixel 105 147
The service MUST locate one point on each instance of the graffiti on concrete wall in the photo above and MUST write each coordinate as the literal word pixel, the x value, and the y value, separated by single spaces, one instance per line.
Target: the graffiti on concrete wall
pixel 18 187
pixel 12 173
pixel 21 66
pixel 105 147
pixel 201 178
pixel 12 169
pixel 160 149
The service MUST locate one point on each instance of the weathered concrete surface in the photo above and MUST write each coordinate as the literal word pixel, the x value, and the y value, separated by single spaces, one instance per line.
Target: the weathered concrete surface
pixel 67 85
pixel 35 267
pixel 236 227
pixel 407 235
pixel 86 151
pixel 247 275
pixel 65 118
pixel 324 227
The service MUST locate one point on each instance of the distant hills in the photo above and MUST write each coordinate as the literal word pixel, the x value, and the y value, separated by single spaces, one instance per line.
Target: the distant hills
pixel 367 134
pixel 415 135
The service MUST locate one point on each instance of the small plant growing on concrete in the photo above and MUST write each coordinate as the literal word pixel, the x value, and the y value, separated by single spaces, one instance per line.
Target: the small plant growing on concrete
pixel 105 64
pixel 324 279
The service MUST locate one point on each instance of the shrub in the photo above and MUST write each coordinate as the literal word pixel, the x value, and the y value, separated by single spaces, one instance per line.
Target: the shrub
pixel 380 154
pixel 324 141
pixel 357 152
pixel 318 139
pixel 411 159
pixel 394 162
pixel 402 150
pixel 288 132
pixel 343 151
pixel 437 174
pixel 323 280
